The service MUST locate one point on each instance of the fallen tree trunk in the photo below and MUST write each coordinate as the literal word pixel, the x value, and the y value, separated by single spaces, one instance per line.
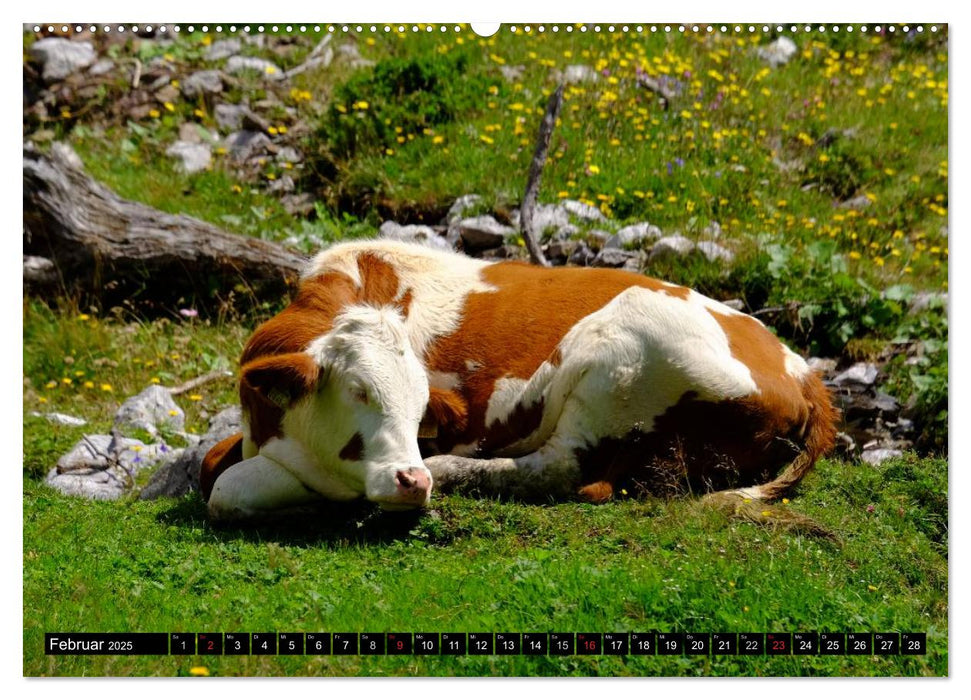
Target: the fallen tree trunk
pixel 117 251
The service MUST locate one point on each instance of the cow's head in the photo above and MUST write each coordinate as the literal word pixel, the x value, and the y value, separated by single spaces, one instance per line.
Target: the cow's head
pixel 342 417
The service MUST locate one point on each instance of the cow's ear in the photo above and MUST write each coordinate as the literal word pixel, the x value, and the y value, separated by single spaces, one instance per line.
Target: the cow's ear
pixel 282 379
pixel 446 409
pixel 218 459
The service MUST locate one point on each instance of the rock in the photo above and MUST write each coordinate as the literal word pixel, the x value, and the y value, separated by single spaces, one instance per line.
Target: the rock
pixel 586 212
pixel 558 252
pixel 545 217
pixel 483 232
pixel 579 74
pixel 243 64
pixel 506 251
pixel 224 48
pixel 282 185
pixel 857 203
pixel 203 82
pixel 825 365
pixel 300 204
pixel 924 300
pixel 413 233
pixel 60 58
pixel 633 235
pixel 877 455
pixel 229 116
pixel 460 207
pixel 778 52
pixel 60 418
pixel 151 410
pixel 39 271
pixel 287 154
pixel 167 94
pixel 102 67
pixel 734 304
pixel 349 54
pixel 195 156
pixel 512 73
pixel 181 475
pixel 676 246
pixel 101 467
pixel 243 145
pixel 715 252
pixel 582 255
pixel 565 233
pixel 861 373
pixel 613 257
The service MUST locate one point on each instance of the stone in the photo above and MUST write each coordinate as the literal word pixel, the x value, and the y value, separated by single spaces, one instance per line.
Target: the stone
pixel 230 116
pixel 299 204
pixel 461 207
pixel 734 304
pixel 180 476
pixel 558 252
pixel 878 455
pixel 243 145
pixel 672 246
pixel 861 373
pixel 857 203
pixel 779 52
pixel 507 251
pixel 224 48
pixel 565 233
pixel 60 58
pixel 102 67
pixel 203 82
pixel 282 185
pixel 483 232
pixel 60 418
pixel 38 270
pixel 512 73
pixel 579 73
pixel 102 466
pixel 712 230
pixel 195 157
pixel 825 365
pixel 613 257
pixel 151 410
pixel 244 64
pixel 288 154
pixel 633 235
pixel 582 255
pixel 924 300
pixel 413 233
pixel 545 218
pixel 586 212
pixel 715 252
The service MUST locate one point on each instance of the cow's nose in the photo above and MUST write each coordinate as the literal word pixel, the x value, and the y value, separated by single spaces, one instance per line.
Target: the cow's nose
pixel 413 484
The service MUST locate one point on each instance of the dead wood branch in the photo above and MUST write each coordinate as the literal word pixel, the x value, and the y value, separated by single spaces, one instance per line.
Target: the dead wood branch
pixel 530 234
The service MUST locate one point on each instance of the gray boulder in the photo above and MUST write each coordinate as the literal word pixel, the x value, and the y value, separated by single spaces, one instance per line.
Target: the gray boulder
pixel 582 211
pixel 482 232
pixel 715 252
pixel 861 373
pixel 60 58
pixel 60 418
pixel 579 73
pixel 151 410
pixel 877 455
pixel 223 49
pixel 244 64
pixel 461 207
pixel 102 467
pixel 181 475
pixel 614 257
pixel 633 235
pixel 194 157
pixel 243 145
pixel 672 246
pixel 413 233
pixel 203 82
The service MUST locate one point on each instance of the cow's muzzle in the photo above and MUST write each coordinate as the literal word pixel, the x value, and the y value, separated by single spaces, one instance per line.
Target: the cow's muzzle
pixel 413 489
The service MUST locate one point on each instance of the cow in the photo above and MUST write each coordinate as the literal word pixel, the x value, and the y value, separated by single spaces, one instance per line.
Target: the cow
pixel 397 367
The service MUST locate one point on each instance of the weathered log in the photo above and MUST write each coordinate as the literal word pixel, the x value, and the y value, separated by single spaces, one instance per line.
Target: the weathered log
pixel 114 250
pixel 530 234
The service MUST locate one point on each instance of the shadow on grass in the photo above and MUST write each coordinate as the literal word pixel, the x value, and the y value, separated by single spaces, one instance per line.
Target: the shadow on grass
pixel 338 524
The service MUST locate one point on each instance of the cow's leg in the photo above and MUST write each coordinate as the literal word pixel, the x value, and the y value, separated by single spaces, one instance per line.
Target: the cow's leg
pixel 258 488
pixel 550 472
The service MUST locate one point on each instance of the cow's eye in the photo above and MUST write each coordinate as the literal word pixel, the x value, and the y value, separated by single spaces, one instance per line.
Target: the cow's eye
pixel 360 395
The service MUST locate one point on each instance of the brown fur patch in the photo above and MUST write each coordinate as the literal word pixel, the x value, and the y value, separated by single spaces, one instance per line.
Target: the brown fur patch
pixel 447 409
pixel 218 459
pixel 510 332
pixel 270 383
pixel 353 451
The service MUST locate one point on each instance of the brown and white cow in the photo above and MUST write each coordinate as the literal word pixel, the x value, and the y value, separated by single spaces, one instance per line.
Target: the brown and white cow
pixel 508 379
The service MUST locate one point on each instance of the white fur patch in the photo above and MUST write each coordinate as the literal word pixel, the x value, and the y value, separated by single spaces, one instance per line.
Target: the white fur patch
pixel 796 367
pixel 439 282
pixel 505 396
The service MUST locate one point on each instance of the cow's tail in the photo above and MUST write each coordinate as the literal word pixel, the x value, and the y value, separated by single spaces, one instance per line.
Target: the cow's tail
pixel 752 503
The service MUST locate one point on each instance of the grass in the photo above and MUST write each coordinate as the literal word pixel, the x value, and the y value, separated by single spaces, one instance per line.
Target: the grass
pixel 473 565
pixel 767 153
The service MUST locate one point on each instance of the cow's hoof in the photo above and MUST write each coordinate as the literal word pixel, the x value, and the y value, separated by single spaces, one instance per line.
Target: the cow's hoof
pixel 597 492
